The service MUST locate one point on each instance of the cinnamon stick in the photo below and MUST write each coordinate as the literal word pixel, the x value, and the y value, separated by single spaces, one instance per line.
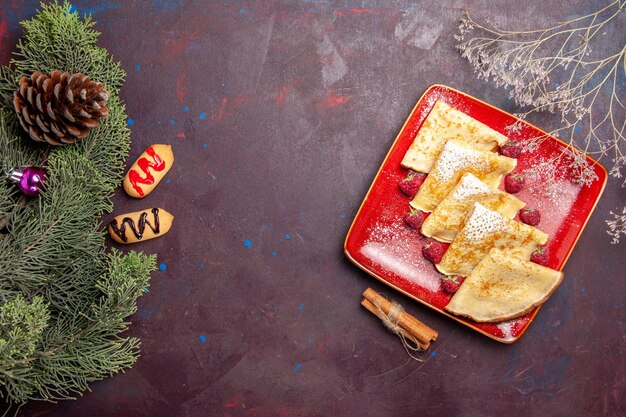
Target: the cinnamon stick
pixel 419 330
pixel 376 311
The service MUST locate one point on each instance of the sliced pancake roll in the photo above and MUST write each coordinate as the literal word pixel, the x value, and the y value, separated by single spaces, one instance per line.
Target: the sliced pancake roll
pixel 448 217
pixel 445 123
pixel 486 229
pixel 455 160
pixel 502 287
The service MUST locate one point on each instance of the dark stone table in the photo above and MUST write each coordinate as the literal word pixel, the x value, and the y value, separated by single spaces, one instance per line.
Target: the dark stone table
pixel 280 113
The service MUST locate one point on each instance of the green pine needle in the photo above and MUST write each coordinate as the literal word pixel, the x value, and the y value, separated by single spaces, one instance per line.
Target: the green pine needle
pixel 64 301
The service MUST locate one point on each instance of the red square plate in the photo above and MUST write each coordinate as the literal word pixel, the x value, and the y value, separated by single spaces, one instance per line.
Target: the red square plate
pixel 380 243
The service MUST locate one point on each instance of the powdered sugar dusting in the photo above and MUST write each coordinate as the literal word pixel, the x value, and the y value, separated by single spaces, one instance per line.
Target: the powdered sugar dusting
pixel 549 190
pixel 506 327
pixel 544 177
pixel 394 248
pixel 387 230
pixel 470 186
pixel 483 222
pixel 454 158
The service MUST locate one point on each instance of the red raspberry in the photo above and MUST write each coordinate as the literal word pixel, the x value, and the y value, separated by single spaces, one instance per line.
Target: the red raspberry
pixel 512 149
pixel 513 183
pixel 530 216
pixel 540 256
pixel 415 219
pixel 411 184
pixel 452 284
pixel 434 251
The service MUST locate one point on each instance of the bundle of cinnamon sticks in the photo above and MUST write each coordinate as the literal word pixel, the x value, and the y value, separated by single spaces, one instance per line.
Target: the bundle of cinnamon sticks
pixel 408 326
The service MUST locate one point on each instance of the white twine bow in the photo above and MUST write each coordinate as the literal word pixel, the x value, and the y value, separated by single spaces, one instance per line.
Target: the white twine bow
pixel 391 322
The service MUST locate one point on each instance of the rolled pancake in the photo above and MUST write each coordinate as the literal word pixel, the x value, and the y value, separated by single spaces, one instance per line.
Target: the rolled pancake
pixel 486 229
pixel 455 160
pixel 445 123
pixel 502 287
pixel 448 217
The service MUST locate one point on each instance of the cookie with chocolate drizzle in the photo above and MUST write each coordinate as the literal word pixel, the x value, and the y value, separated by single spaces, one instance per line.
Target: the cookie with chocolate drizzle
pixel 140 225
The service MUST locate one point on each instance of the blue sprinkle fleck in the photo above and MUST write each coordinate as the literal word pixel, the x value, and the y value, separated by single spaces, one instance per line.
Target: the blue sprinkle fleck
pixel 137 67
pixel 242 10
pixel 309 340
pixel 171 121
pixel 274 254
pixel 202 265
pixel 162 267
pixel 167 180
pixel 301 307
pixel 202 116
pixel 343 215
pixel 433 353
pixel 297 367
pixel 130 122
pixel 202 338
pixel 288 237
pixel 584 291
pixel 247 243
pixel 72 9
pixel 577 129
pixel 186 108
pixel 204 145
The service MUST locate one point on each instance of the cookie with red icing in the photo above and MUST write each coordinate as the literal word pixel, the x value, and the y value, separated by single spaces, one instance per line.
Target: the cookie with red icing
pixel 148 170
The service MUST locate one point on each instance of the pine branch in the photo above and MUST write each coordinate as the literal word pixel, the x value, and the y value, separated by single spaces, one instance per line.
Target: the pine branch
pixel 64 301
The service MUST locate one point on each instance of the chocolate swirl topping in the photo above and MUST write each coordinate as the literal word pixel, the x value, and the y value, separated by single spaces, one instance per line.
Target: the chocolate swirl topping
pixel 137 229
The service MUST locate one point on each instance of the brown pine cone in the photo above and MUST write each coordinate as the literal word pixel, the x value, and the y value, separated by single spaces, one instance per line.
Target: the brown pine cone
pixel 61 108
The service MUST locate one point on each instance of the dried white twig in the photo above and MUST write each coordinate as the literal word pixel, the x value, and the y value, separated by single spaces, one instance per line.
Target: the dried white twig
pixel 555 70
pixel 617 226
